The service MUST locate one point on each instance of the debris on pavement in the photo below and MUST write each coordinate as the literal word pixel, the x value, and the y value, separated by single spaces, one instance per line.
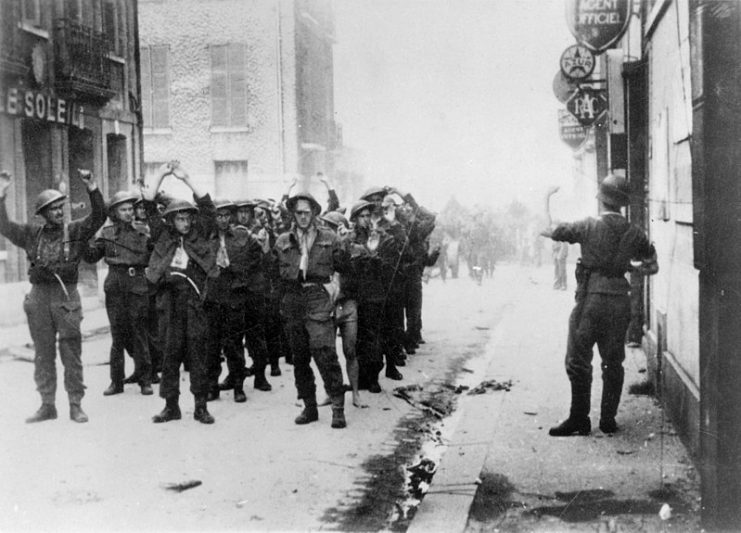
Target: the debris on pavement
pixel 665 513
pixel 185 485
pixel 491 384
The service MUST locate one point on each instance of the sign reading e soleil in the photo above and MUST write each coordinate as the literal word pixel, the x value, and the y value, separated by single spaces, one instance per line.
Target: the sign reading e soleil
pixel 598 24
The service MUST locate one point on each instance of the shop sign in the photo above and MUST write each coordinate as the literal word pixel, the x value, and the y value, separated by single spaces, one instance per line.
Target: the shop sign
pixel 39 105
pixel 587 105
pixel 571 130
pixel 598 24
pixel 577 62
pixel 563 87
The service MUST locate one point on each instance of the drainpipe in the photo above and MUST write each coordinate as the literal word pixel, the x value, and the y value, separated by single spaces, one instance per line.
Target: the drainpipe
pixel 279 81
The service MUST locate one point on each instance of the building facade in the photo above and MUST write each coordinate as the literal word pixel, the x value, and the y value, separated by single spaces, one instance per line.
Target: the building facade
pixel 69 99
pixel 675 114
pixel 241 93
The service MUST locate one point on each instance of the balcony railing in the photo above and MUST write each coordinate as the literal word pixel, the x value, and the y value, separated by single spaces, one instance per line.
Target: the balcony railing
pixel 81 58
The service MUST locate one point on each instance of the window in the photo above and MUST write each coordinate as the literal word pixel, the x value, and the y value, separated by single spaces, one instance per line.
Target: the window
pixel 31 12
pixel 113 25
pixel 230 178
pixel 155 86
pixel 228 86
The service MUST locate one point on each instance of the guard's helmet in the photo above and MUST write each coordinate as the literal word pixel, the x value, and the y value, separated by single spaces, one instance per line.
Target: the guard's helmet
pixel 373 191
pixel 46 198
pixel 334 219
pixel 293 200
pixel 121 197
pixel 225 204
pixel 358 207
pixel 388 201
pixel 176 206
pixel 613 191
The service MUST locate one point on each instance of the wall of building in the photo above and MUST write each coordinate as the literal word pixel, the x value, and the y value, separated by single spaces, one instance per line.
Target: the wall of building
pixel 268 139
pixel 674 292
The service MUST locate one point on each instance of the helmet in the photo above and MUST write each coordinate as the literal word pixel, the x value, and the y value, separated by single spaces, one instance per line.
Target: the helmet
pixel 245 203
pixel 335 219
pixel 176 206
pixel 613 190
pixel 358 207
pixel 293 200
pixel 372 192
pixel 46 198
pixel 122 197
pixel 224 204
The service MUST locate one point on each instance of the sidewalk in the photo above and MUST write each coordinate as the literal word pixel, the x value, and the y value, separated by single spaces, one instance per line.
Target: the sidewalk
pixel 15 341
pixel 502 472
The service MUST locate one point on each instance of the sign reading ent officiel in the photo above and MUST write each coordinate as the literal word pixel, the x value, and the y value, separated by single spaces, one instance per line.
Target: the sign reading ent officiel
pixel 598 24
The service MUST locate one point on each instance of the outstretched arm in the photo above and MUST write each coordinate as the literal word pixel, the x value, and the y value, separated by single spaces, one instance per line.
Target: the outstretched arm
pixel 149 191
pixel 548 231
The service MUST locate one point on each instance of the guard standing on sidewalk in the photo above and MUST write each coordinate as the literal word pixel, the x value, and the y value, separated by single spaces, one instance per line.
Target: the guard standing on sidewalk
pixel 307 256
pixel 126 249
pixel 610 246
pixel 181 260
pixel 53 306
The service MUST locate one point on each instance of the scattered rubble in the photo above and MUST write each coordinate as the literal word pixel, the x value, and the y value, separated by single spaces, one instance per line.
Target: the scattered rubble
pixel 185 485
pixel 491 385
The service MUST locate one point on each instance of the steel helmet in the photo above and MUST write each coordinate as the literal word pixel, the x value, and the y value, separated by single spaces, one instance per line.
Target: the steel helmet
pixel 122 197
pixel 613 190
pixel 373 191
pixel 177 206
pixel 245 203
pixel 48 197
pixel 335 219
pixel 225 204
pixel 359 206
pixel 293 200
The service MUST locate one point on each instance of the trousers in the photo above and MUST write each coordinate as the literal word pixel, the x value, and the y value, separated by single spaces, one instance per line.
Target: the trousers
pixel 55 316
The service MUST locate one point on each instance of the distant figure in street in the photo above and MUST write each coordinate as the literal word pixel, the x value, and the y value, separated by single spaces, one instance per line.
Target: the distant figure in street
pixel 559 253
pixel 610 246
pixel 53 307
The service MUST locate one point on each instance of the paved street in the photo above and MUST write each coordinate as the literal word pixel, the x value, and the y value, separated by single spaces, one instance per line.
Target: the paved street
pixel 258 470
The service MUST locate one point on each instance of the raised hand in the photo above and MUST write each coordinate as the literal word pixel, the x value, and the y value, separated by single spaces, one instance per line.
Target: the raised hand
pixel 5 179
pixel 87 178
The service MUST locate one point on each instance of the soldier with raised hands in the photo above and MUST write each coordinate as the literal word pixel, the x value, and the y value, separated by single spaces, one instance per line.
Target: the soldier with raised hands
pixel 181 261
pixel 125 248
pixel 54 250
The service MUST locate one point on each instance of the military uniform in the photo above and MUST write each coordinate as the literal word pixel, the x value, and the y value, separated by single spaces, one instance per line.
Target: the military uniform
pixel 53 306
pixel 126 250
pixel 602 311
pixel 307 310
pixel 179 266
pixel 234 306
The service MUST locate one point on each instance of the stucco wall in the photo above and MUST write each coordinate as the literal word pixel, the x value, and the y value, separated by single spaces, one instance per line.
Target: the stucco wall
pixel 187 26
pixel 675 290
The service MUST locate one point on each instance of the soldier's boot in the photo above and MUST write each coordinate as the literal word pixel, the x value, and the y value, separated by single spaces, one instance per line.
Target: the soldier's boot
pixel 76 414
pixel 227 384
pixel 239 395
pixel 113 388
pixel 309 414
pixel 146 385
pixel 170 412
pixel 578 422
pixel 261 383
pixel 274 367
pixel 133 378
pixel 338 412
pixel 47 411
pixel 201 411
pixel 391 371
pixel 213 394
pixel 612 388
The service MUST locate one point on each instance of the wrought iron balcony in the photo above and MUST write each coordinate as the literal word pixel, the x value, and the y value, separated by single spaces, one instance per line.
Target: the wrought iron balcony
pixel 82 66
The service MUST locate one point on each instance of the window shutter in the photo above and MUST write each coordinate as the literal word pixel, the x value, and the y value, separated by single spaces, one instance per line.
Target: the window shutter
pixel 160 88
pixel 237 85
pixel 219 105
pixel 146 81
